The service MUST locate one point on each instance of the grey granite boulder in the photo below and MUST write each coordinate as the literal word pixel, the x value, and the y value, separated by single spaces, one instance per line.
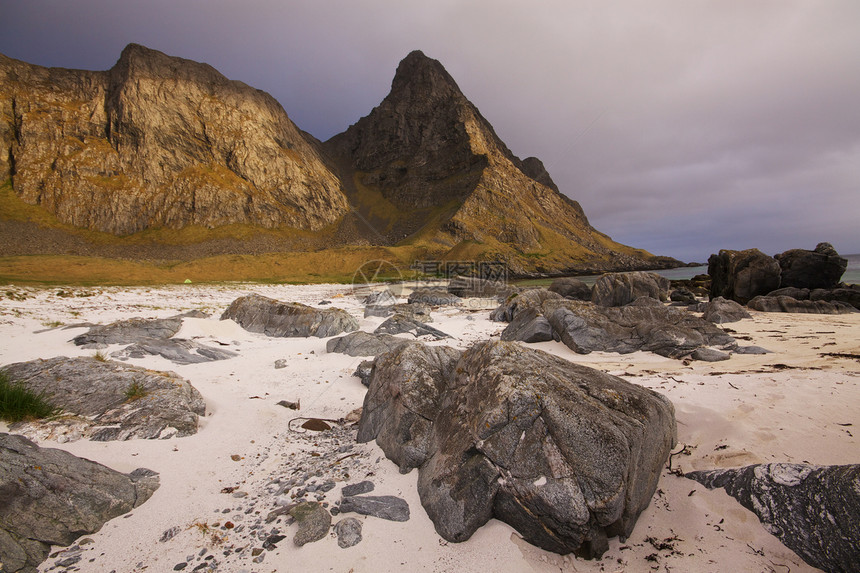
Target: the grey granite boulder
pixel 267 316
pixel 418 311
pixel 813 510
pixel 51 497
pixel 528 326
pixel 571 287
pixel 565 454
pixel 742 275
pixel 788 304
pixel 820 268
pixel 360 343
pixel 402 324
pixel 618 289
pixel 721 311
pixel 402 400
pixel 642 325
pixel 112 401
pixel 531 298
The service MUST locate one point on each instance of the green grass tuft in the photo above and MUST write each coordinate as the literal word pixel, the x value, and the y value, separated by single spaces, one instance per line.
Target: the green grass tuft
pixel 135 391
pixel 17 403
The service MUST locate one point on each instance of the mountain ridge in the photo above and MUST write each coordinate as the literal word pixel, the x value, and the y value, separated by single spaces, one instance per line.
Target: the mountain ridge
pixel 159 142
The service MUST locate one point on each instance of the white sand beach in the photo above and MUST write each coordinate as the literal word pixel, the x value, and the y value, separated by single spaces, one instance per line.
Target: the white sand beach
pixel 795 404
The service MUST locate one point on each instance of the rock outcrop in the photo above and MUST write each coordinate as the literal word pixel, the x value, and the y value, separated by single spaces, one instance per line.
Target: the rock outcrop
pixel 742 275
pixel 567 455
pixel 158 141
pixel 572 288
pixel 821 268
pixel 813 510
pixel 618 289
pixel 789 304
pixel 256 313
pixel 51 497
pixel 108 401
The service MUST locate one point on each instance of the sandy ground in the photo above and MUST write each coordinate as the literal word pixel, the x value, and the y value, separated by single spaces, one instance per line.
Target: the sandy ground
pixel 795 404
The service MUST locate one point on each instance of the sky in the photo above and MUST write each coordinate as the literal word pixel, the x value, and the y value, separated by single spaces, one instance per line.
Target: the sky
pixel 681 127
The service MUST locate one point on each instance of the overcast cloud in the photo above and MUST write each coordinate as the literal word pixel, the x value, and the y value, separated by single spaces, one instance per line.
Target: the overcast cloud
pixel 681 127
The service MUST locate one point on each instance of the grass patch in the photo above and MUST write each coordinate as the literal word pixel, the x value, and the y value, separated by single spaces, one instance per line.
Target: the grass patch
pixel 18 404
pixel 100 356
pixel 135 391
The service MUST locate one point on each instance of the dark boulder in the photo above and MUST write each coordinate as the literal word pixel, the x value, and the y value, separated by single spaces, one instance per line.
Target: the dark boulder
pixel 618 289
pixel 382 506
pixel 267 316
pixel 402 400
pixel 793 292
pixel 363 371
pixel 531 298
pixel 571 288
pixel 643 325
pixel 721 311
pixel 529 325
pixel 813 510
pixel 111 401
pixel 51 497
pixel 742 275
pixel 682 295
pixel 565 454
pixel 788 304
pixel 821 268
pixel 847 294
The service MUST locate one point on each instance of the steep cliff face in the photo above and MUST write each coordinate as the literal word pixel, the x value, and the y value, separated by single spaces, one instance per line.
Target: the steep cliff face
pixel 158 141
pixel 448 181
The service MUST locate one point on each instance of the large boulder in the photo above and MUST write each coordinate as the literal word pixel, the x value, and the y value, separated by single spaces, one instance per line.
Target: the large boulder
pixel 402 400
pixel 108 400
pixel 721 311
pixel 571 287
pixel 642 325
pixel 256 313
pixel 788 304
pixel 813 510
pixel 51 497
pixel 565 454
pixel 531 298
pixel 528 325
pixel 742 275
pixel 618 289
pixel 849 294
pixel 177 350
pixel 821 268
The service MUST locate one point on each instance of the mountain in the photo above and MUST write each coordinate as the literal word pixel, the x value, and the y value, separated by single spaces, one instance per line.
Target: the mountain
pixel 426 168
pixel 158 141
pixel 161 143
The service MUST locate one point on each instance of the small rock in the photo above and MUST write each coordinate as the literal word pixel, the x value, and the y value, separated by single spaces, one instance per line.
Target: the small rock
pixel 180 566
pixel 385 506
pixel 709 355
pixel 357 488
pixel 348 532
pixel 316 425
pixel 314 522
pixel 280 363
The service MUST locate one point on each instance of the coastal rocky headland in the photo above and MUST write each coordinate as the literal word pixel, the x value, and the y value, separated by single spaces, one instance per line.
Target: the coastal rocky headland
pixel 163 158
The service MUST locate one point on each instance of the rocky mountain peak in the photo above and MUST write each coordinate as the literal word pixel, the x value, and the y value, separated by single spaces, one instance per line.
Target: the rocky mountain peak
pixel 421 77
pixel 138 61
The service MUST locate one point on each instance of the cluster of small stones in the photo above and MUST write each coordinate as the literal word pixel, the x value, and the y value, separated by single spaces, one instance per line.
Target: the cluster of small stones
pixel 256 520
